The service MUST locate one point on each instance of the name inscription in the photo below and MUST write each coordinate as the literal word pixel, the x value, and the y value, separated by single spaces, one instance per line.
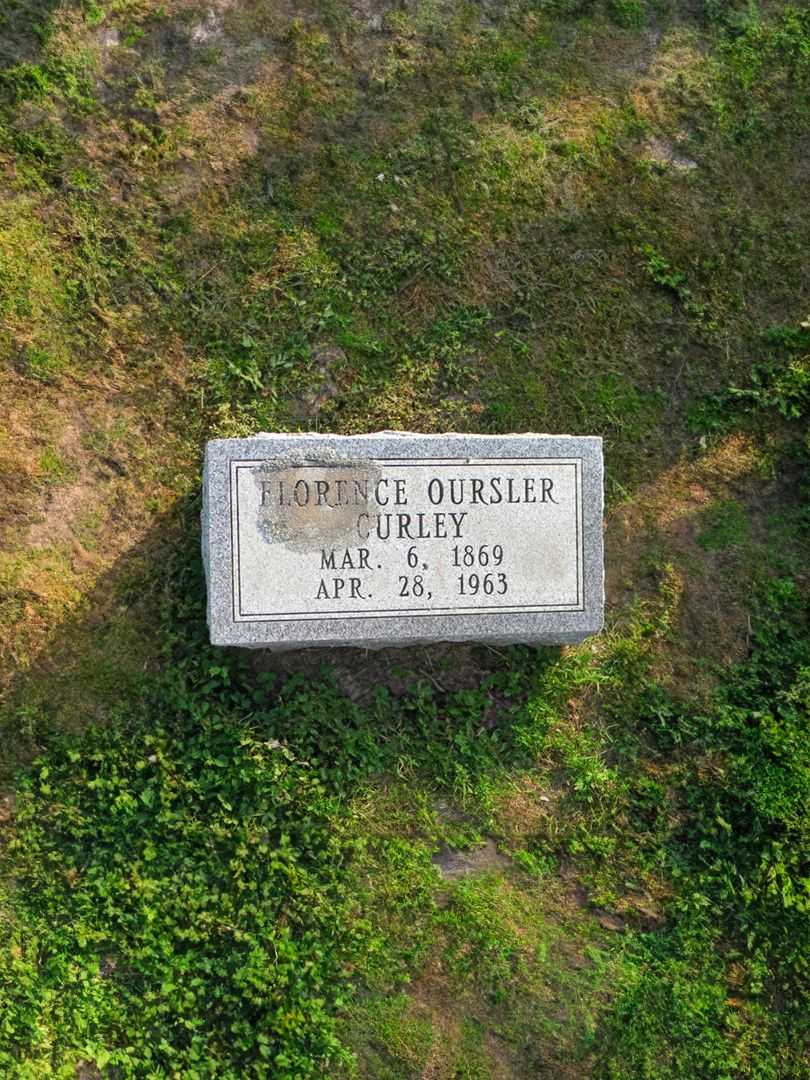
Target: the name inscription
pixel 385 538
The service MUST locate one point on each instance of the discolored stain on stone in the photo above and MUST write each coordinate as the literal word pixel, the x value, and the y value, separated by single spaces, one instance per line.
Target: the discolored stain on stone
pixel 307 507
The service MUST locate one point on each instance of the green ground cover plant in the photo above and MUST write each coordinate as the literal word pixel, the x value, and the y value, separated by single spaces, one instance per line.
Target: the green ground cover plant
pixel 200 875
pixel 565 215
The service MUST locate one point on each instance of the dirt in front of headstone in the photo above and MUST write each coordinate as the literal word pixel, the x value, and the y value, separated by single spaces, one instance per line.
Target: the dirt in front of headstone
pixel 359 673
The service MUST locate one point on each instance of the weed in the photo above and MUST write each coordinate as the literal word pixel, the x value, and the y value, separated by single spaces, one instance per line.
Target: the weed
pixel 41 364
pixel 740 860
pixel 67 78
pixel 764 70
pixel 663 274
pixel 216 876
pixel 627 13
pixel 724 523
pixel 783 385
pixel 52 466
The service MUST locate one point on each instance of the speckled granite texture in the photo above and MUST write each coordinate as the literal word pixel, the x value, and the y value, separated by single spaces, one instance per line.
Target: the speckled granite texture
pixel 286 519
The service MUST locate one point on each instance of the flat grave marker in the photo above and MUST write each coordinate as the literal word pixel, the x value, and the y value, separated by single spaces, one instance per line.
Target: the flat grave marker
pixel 399 538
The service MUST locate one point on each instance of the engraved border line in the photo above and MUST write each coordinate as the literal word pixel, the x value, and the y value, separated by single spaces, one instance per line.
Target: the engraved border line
pixel 508 609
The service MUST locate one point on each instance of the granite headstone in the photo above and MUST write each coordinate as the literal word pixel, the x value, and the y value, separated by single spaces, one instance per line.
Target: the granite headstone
pixel 399 538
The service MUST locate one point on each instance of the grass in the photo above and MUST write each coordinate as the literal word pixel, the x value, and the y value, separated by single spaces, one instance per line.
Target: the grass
pixel 550 216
